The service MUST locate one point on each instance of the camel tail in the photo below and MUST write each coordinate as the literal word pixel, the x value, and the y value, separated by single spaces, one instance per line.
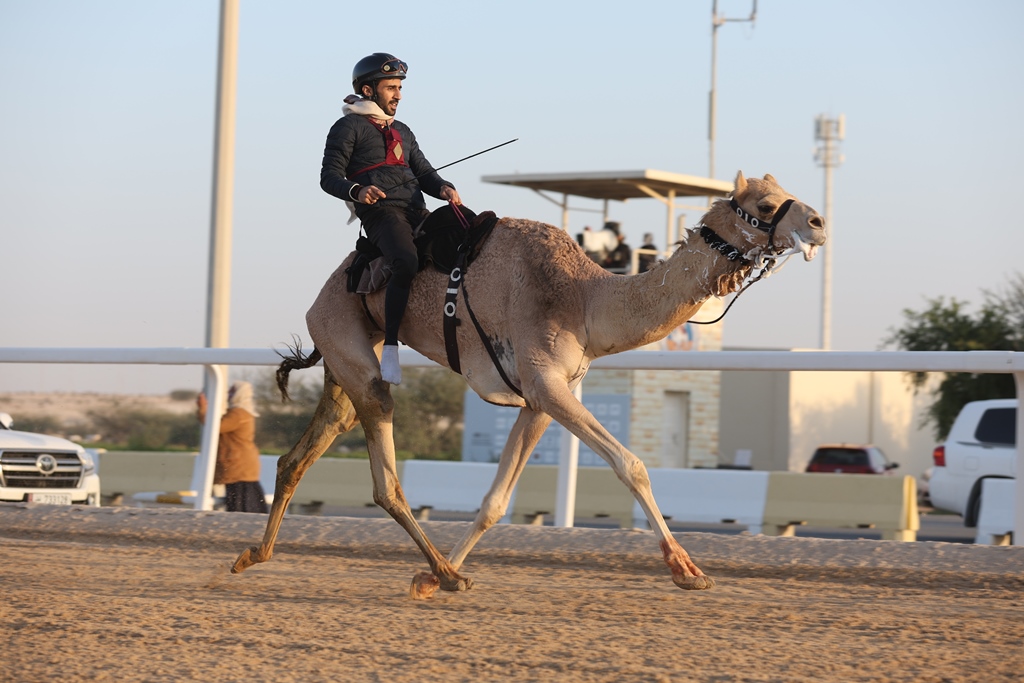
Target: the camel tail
pixel 294 360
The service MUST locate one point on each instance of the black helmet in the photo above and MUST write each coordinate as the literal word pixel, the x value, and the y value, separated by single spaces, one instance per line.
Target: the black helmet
pixel 375 67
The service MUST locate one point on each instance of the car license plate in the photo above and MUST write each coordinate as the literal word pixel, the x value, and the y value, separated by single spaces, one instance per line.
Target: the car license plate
pixel 50 498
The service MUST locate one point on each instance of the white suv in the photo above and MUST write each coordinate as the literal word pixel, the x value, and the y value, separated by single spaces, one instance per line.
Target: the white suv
pixel 981 444
pixel 36 468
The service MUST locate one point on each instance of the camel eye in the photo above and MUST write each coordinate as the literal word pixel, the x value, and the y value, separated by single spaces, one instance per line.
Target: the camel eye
pixel 766 209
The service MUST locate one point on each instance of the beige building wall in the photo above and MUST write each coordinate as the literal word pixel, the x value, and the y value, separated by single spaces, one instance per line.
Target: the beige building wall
pixel 755 417
pixel 781 417
pixel 661 400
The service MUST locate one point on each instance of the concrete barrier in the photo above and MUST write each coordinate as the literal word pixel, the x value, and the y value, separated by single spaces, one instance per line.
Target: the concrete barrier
pixel 127 473
pixel 166 478
pixel 453 486
pixel 599 493
pixel 708 496
pixel 786 499
pixel 995 520
pixel 862 501
pixel 345 482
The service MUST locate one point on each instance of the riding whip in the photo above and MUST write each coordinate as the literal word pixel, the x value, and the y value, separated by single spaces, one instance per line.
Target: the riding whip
pixel 434 170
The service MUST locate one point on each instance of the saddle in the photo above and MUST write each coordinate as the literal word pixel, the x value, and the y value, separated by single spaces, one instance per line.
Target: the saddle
pixel 438 240
pixel 442 242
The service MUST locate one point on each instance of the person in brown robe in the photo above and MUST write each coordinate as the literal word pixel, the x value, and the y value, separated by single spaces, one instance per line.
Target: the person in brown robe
pixel 238 458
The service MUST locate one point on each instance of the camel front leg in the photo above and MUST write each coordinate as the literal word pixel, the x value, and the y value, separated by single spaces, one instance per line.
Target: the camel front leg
pixel 556 399
pixel 334 415
pixel 526 432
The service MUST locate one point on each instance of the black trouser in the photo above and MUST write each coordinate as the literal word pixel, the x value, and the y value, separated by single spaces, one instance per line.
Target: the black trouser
pixel 390 229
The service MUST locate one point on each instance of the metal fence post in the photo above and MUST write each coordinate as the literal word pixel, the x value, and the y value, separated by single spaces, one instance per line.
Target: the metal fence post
pixel 1018 470
pixel 568 460
pixel 202 474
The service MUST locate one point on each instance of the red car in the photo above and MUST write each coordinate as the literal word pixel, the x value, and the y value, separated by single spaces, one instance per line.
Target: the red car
pixel 847 459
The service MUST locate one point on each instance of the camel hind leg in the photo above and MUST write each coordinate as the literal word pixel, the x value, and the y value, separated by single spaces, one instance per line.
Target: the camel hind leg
pixel 334 415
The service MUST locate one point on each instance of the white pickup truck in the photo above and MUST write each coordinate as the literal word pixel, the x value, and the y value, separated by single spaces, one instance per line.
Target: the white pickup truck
pixel 982 443
pixel 36 468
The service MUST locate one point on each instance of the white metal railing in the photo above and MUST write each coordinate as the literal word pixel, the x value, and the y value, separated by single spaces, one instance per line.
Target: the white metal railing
pixel 215 360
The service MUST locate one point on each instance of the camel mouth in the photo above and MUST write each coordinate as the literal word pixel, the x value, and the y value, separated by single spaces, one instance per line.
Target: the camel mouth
pixel 808 249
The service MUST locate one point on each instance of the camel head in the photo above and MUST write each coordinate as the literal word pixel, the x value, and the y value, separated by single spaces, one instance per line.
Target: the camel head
pixel 769 218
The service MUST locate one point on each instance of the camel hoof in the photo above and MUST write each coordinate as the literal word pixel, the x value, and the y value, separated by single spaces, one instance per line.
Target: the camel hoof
pixel 423 586
pixel 694 583
pixel 245 560
pixel 459 584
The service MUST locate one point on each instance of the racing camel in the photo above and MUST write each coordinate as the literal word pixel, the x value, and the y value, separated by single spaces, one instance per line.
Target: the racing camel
pixel 547 311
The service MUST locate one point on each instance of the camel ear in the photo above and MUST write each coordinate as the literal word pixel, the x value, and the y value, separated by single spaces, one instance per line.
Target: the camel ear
pixel 741 184
pixel 770 178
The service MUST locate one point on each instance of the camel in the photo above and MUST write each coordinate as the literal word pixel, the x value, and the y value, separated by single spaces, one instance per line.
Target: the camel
pixel 548 311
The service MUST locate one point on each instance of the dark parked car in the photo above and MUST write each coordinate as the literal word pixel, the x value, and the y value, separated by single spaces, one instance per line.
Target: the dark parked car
pixel 850 459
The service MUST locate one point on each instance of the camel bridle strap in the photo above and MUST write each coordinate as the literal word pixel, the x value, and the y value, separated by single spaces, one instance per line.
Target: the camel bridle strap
pixel 733 253
pixel 456 280
pixel 730 252
pixel 758 224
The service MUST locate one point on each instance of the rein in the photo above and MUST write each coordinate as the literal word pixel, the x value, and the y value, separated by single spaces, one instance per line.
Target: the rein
pixel 732 253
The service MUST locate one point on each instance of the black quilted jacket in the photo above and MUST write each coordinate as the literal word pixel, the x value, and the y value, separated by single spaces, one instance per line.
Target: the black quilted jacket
pixel 354 144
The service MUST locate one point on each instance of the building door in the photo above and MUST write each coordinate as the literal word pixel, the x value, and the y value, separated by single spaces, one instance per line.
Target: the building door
pixel 675 419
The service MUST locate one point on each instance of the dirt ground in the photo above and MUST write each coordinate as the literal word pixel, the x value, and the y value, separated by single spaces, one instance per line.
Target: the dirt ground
pixel 130 594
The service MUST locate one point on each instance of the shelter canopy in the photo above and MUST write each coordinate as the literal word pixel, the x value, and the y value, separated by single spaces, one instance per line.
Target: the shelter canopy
pixel 617 185
pixel 620 186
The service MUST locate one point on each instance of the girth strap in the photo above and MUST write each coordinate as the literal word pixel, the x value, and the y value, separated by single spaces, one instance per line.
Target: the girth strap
pixel 451 323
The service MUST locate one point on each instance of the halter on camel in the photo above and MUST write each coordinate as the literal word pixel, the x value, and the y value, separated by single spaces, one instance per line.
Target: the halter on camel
pixel 732 253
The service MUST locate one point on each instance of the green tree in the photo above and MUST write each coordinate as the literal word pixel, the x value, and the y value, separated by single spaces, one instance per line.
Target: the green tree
pixel 948 326
pixel 146 430
pixel 280 425
pixel 428 413
pixel 40 424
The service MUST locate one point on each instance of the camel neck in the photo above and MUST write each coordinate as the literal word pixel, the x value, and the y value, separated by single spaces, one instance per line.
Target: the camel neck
pixel 627 312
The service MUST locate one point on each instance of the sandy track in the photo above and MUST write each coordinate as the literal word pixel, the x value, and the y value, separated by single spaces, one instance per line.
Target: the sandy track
pixel 125 594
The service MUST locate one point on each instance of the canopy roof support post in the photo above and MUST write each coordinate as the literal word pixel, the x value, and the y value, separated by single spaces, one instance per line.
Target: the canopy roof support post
pixel 670 225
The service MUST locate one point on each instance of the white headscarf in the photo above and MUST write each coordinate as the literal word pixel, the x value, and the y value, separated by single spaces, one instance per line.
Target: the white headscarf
pixel 240 396
pixel 354 104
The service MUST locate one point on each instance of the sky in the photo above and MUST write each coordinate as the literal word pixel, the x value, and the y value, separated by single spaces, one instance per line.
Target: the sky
pixel 107 129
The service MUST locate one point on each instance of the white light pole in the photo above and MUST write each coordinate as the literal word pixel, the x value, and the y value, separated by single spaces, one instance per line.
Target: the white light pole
pixel 716 22
pixel 218 299
pixel 829 132
pixel 219 287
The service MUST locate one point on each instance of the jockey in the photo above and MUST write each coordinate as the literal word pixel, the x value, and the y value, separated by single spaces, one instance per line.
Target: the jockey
pixel 372 161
